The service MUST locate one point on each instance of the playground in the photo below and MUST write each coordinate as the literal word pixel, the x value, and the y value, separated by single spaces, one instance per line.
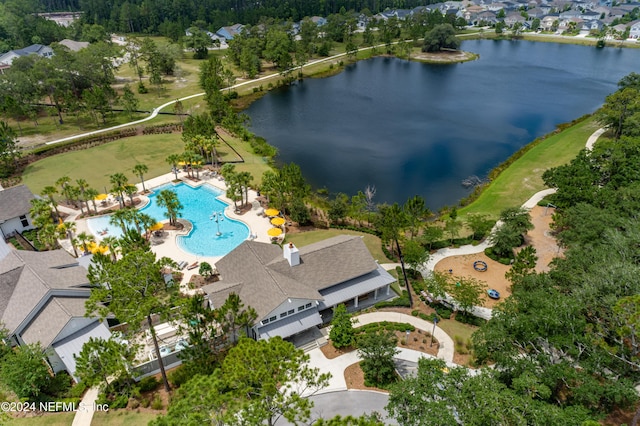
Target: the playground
pixel 473 265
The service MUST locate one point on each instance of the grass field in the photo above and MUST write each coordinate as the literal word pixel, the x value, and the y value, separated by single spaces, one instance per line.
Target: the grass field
pixel 96 164
pixel 110 418
pixel 523 178
pixel 53 419
pixel 371 241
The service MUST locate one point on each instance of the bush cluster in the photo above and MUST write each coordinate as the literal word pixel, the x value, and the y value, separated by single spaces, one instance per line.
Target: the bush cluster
pixel 402 301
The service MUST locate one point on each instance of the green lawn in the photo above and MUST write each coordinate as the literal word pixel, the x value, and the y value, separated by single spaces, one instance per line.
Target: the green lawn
pixel 96 164
pixel 122 418
pixel 523 178
pixel 53 419
pixel 371 241
pixel 110 418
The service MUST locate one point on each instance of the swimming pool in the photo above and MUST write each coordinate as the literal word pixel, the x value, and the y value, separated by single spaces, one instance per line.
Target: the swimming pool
pixel 199 204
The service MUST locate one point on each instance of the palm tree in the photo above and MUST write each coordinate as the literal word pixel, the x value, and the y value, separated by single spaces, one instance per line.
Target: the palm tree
pixel 74 194
pixel 197 164
pixel 211 144
pixel 118 183
pixel 188 157
pixel 245 178
pixel 91 194
pixel 169 200
pixel 139 170
pixel 113 244
pixel 119 218
pixel 84 239
pixel 130 189
pixel 40 212
pixel 174 159
pixel 83 186
pixel 48 192
pixel 147 222
pixel 63 183
pixel 67 229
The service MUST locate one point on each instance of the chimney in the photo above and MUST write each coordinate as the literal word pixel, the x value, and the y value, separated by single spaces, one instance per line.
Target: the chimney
pixel 292 255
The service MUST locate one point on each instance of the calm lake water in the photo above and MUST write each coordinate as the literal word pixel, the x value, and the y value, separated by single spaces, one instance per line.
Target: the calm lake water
pixel 410 128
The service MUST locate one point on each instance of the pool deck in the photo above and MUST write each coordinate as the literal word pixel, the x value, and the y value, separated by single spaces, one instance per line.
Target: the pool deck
pixel 258 225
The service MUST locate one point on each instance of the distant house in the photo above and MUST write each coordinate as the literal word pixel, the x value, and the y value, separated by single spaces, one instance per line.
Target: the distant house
pixel 634 29
pixel 319 20
pixel 514 17
pixel 42 300
pixel 73 45
pixel 228 33
pixel 34 49
pixel 294 290
pixel 15 203
pixel 592 25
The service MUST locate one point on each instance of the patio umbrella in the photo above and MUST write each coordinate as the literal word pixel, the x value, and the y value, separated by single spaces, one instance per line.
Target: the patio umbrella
pixel 271 212
pixel 181 163
pixel 277 221
pixel 156 226
pixel 274 232
pixel 101 197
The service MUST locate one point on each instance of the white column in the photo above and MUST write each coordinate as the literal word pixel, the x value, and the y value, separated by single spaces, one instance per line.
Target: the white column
pixel 375 294
pixel 388 286
pixel 355 301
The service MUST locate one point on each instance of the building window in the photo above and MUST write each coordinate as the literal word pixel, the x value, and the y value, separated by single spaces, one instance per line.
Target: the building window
pixel 282 315
pixel 24 221
pixel 300 308
pixel 265 321
pixel 272 319
pixel 307 306
pixel 291 312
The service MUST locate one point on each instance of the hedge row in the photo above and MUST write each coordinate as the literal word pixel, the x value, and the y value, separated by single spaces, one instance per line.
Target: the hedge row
pixel 385 325
pixel 402 301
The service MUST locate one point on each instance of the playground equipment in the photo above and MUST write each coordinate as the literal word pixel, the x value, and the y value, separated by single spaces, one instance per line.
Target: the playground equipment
pixel 480 265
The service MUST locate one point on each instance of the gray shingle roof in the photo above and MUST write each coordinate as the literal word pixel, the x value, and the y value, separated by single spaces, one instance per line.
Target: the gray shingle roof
pixel 53 317
pixel 263 279
pixel 26 278
pixel 14 202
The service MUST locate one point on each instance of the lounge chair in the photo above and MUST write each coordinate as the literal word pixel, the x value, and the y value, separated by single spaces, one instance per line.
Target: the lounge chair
pixel 194 265
pixel 182 264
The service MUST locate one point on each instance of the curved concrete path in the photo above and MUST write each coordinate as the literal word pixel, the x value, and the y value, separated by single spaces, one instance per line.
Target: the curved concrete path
pixel 428 267
pixel 336 366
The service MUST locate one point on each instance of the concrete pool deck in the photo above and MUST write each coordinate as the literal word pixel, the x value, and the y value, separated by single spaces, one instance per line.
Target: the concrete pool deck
pixel 258 225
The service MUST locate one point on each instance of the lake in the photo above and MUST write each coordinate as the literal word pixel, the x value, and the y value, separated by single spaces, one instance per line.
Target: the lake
pixel 411 128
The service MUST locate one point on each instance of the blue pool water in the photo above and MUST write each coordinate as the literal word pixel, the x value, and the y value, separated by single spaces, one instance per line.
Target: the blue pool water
pixel 199 204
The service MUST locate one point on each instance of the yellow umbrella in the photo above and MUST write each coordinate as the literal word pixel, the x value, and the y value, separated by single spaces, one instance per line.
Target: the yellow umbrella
pixel 101 197
pixel 181 163
pixel 272 212
pixel 274 232
pixel 277 221
pixel 156 226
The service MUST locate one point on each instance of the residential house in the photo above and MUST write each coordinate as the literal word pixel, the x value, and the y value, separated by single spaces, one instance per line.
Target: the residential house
pixel 73 45
pixel 294 290
pixel 548 22
pixel 34 49
pixel 319 20
pixel 634 29
pixel 42 300
pixel 590 16
pixel 592 26
pixel 228 33
pixel 15 203
pixel 514 17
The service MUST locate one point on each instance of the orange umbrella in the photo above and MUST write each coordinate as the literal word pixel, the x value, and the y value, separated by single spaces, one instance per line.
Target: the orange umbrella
pixel 271 212
pixel 156 226
pixel 277 221
pixel 274 232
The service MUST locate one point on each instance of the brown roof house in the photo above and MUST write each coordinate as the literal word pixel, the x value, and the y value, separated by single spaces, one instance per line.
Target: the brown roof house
pixel 15 203
pixel 42 298
pixel 293 289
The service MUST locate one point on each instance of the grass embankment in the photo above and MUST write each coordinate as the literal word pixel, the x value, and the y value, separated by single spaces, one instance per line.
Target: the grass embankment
pixel 371 241
pixel 518 182
pixel 111 418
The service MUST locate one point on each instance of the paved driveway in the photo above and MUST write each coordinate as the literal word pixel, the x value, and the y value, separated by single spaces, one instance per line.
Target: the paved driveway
pixel 344 403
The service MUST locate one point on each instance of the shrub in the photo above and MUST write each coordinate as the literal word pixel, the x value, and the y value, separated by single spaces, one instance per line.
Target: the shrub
pixel 77 390
pixel 398 301
pixel 119 401
pixel 415 313
pixel 148 384
pixel 469 319
pixel 157 403
pixel 442 310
